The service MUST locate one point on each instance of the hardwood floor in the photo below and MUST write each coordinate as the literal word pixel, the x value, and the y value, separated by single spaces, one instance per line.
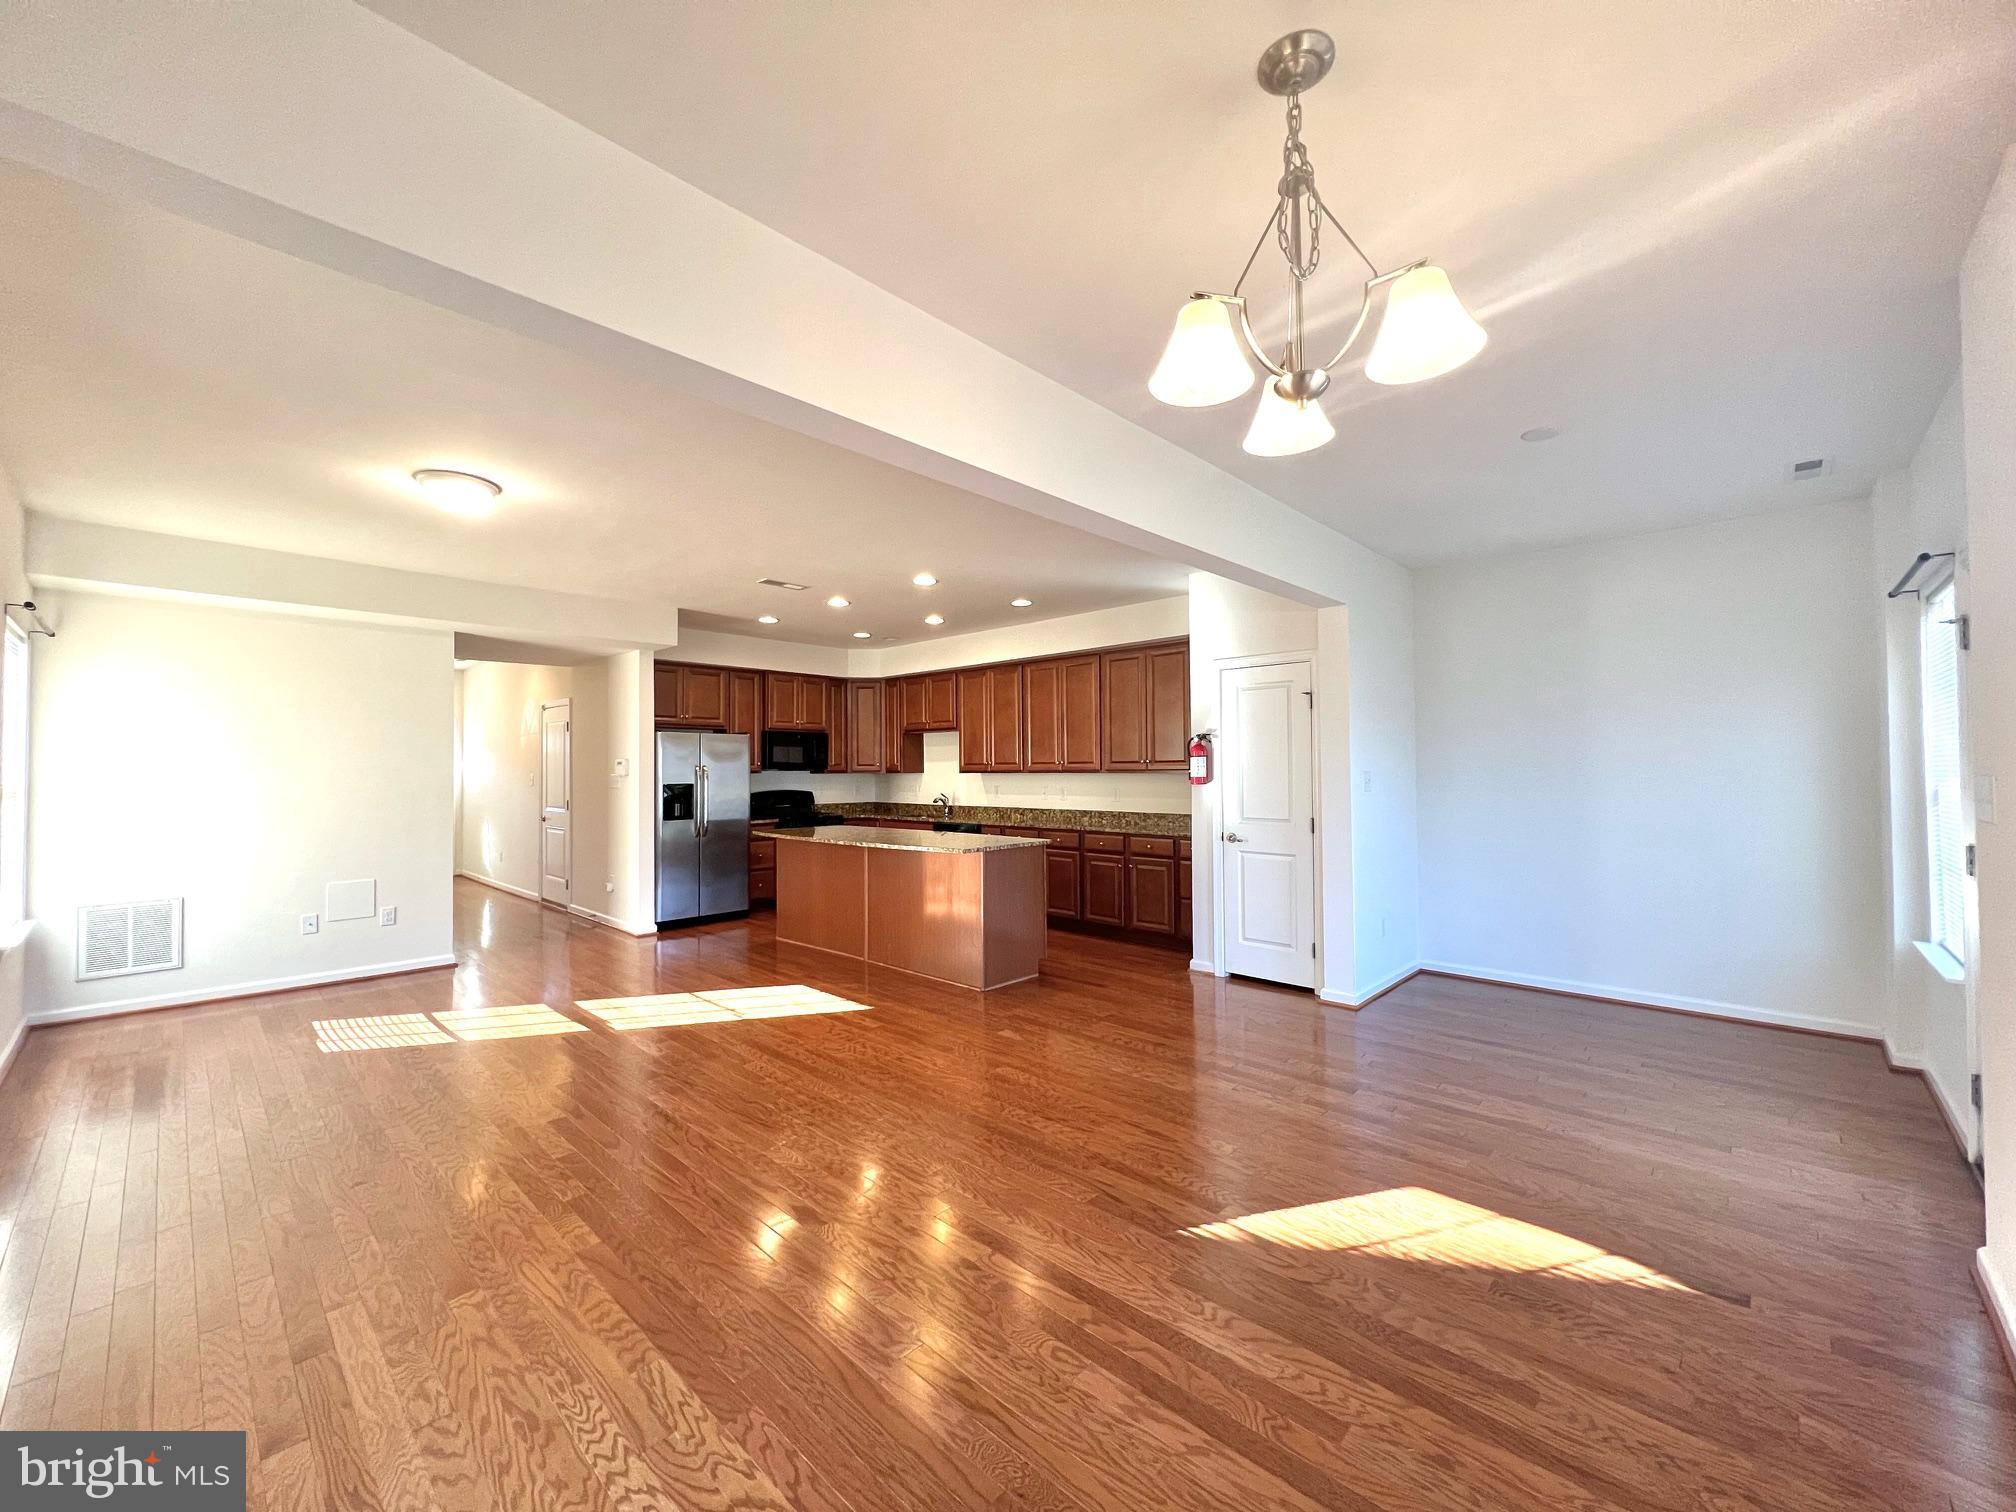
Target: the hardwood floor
pixel 1121 1238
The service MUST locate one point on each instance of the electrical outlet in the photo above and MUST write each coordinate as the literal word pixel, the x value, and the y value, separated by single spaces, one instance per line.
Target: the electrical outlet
pixel 311 924
pixel 387 917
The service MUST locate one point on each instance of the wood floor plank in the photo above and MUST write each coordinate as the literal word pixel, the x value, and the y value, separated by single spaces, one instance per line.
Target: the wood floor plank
pixel 1122 1237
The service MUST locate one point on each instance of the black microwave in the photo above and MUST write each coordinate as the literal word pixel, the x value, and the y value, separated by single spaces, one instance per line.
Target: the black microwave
pixel 794 750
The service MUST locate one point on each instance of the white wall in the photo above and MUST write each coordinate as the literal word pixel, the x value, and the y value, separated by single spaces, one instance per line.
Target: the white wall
pixel 1652 769
pixel 238 760
pixel 14 584
pixel 1921 509
pixel 1105 792
pixel 1988 399
pixel 500 768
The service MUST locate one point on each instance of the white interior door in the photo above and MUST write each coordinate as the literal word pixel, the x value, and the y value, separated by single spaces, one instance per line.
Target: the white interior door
pixel 556 800
pixel 1267 846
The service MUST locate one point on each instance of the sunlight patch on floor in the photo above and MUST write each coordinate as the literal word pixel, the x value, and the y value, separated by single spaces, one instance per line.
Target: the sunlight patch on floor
pixel 521 1021
pixel 385 1032
pixel 1414 1223
pixel 716 1006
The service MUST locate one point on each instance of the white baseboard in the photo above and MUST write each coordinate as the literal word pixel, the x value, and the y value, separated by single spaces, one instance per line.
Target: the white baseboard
pixel 1364 995
pixel 13 1048
pixel 1899 1061
pixel 516 892
pixel 225 990
pixel 1999 1297
pixel 1198 963
pixel 611 920
pixel 1705 1007
pixel 1959 1116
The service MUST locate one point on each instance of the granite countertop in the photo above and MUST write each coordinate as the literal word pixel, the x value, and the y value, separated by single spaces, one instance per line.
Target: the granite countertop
pixel 869 838
pixel 1112 822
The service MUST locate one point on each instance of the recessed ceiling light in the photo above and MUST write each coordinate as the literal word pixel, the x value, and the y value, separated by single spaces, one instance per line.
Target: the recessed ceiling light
pixel 934 619
pixel 1539 433
pixel 925 580
pixel 766 619
pixel 1020 603
pixel 836 602
pixel 862 635
pixel 457 492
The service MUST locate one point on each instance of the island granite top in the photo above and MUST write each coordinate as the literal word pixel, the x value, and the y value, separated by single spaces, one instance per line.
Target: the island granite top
pixel 868 838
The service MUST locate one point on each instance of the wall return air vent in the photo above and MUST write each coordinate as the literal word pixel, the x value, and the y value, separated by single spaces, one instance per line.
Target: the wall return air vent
pixel 123 939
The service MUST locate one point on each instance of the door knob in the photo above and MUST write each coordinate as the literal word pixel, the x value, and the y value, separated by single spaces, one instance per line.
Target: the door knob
pixel 1234 839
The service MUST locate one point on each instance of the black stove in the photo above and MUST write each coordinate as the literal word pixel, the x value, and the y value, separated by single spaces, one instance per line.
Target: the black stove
pixel 791 808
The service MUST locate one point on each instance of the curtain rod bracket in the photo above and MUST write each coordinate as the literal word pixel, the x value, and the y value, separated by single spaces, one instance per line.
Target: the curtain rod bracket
pixel 41 626
pixel 1904 583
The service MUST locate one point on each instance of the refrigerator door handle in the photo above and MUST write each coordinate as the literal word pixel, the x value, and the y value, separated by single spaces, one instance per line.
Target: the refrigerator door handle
pixel 700 801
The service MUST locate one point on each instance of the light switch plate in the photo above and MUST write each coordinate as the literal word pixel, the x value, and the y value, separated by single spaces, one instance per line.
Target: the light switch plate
pixel 622 767
pixel 1984 798
pixel 387 917
pixel 310 924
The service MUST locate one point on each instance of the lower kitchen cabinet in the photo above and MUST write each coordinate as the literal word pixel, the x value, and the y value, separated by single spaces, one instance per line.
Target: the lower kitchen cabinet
pixel 1061 874
pixel 1105 889
pixel 1151 894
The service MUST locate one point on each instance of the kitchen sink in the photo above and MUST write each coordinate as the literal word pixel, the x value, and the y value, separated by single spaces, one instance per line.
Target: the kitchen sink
pixel 955 827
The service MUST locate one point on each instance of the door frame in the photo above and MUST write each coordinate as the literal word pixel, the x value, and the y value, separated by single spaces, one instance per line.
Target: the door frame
pixel 1220 667
pixel 547 705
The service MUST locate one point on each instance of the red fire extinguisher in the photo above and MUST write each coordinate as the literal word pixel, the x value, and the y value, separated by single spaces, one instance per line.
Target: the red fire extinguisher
pixel 1200 759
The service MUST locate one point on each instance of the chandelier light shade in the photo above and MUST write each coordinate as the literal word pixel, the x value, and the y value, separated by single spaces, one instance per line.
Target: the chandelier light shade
pixel 1204 364
pixel 1424 330
pixel 1282 427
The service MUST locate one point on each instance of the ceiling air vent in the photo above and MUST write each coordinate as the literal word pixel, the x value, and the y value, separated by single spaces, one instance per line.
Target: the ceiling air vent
pixel 121 939
pixel 1812 467
pixel 780 583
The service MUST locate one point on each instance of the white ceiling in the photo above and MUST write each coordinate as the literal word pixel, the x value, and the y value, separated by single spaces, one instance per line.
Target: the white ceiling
pixel 163 376
pixel 1707 241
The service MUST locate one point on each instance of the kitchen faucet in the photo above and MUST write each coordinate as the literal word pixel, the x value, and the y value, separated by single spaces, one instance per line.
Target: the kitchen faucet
pixel 944 803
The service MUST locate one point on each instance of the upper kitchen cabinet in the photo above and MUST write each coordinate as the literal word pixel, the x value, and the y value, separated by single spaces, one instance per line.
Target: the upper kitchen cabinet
pixel 793 701
pixel 991 719
pixel 863 734
pixel 745 711
pixel 1063 714
pixel 691 695
pixel 929 701
pixel 1146 696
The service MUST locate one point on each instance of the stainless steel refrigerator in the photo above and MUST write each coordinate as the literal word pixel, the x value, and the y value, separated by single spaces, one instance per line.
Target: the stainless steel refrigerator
pixel 703 825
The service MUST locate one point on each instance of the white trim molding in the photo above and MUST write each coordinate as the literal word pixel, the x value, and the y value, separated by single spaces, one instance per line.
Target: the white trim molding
pixel 1360 996
pixel 601 918
pixel 13 1049
pixel 1741 1013
pixel 226 991
pixel 516 892
pixel 2000 1300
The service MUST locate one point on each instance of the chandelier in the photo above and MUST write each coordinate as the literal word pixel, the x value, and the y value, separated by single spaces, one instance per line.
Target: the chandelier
pixel 1424 331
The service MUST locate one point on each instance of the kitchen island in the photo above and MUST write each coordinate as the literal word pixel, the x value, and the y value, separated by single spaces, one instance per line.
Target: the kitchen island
pixel 962 908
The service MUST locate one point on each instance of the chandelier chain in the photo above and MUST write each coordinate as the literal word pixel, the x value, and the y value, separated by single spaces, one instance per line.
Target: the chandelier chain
pixel 1298 177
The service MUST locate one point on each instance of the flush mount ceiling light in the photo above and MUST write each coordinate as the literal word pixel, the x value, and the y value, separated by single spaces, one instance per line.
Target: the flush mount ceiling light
pixel 1019 603
pixel 766 619
pixel 863 635
pixel 836 602
pixel 1539 433
pixel 457 492
pixel 934 619
pixel 1424 331
pixel 925 580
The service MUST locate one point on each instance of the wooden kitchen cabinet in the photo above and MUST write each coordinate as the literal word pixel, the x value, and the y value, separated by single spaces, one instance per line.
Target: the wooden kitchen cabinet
pixel 1061 883
pixel 1151 884
pixel 745 712
pixel 793 701
pixel 1062 694
pixel 1145 703
pixel 941 700
pixel 991 719
pixel 1104 888
pixel 690 695
pixel 912 693
pixel 862 732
